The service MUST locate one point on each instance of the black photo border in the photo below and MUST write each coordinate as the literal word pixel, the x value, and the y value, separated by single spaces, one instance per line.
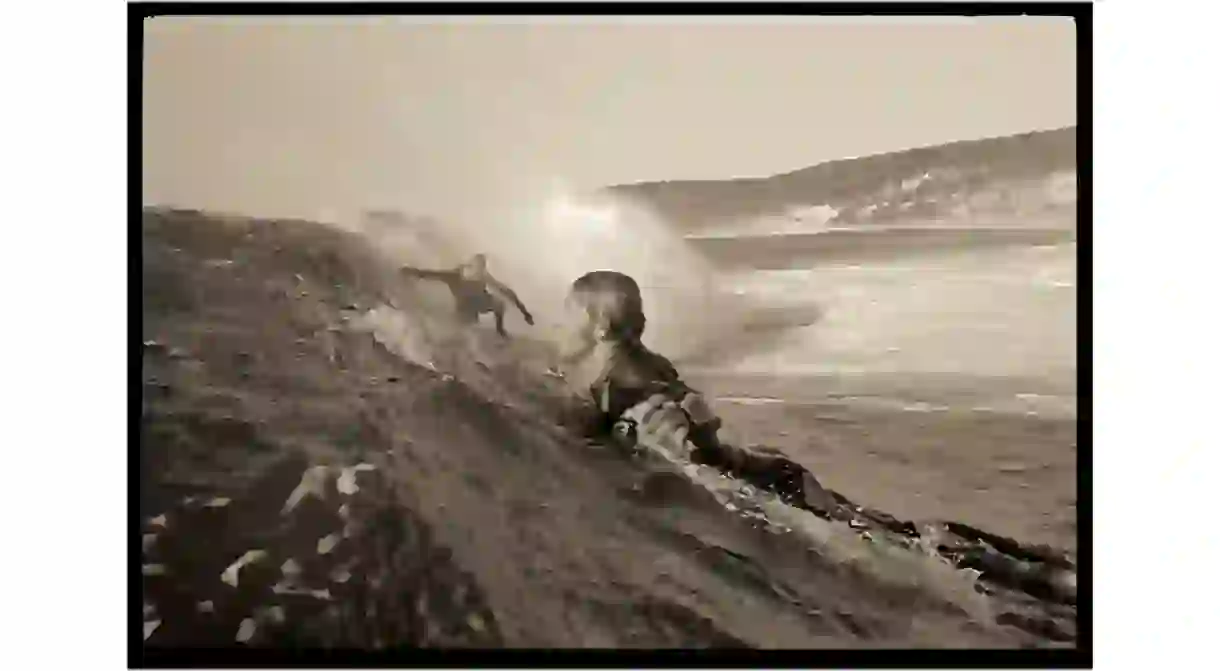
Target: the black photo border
pixel 1079 657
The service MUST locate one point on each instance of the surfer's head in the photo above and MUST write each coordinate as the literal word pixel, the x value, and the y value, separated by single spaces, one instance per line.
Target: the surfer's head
pixel 476 267
pixel 606 306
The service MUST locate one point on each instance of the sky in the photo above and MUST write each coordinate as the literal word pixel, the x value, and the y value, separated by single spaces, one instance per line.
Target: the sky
pixel 460 117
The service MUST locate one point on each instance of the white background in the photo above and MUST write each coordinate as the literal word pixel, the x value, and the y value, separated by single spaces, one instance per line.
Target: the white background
pixel 64 339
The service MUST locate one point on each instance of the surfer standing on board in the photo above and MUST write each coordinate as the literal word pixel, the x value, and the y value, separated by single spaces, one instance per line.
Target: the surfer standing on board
pixel 637 397
pixel 475 291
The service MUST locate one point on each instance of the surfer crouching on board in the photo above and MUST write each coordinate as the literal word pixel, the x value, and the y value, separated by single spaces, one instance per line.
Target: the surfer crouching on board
pixel 640 398
pixel 637 397
pixel 475 291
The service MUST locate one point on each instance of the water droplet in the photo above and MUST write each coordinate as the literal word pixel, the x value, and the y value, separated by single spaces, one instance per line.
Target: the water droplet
pixel 150 627
pixel 325 545
pixel 245 632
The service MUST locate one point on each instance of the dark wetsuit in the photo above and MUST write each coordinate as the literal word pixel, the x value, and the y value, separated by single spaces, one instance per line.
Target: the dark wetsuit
pixel 474 296
pixel 636 373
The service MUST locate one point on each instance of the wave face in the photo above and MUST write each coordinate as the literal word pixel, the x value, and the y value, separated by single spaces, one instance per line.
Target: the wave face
pixel 324 460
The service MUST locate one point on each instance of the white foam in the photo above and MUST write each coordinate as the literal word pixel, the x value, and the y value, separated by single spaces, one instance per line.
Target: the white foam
pixel 1033 405
pixel 913 183
pixel 887 403
pixel 749 400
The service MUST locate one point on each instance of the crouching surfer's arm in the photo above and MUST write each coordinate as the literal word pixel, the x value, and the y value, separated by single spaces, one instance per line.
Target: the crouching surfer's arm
pixel 689 427
pixel 679 425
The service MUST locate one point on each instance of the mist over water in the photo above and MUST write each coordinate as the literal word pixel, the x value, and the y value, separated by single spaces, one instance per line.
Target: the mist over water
pixel 1007 312
pixel 547 239
pixel 1003 312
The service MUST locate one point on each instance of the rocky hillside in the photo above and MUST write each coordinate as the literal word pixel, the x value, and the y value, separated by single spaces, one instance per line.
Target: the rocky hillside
pixel 992 182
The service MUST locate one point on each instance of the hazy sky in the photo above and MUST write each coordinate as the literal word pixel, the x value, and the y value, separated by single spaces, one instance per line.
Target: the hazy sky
pixel 314 116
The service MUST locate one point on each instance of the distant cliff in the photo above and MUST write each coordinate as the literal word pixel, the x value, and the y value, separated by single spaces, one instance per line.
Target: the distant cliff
pixel 995 182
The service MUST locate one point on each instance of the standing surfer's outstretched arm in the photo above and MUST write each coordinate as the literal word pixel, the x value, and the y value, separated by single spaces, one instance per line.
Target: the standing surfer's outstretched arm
pixel 440 275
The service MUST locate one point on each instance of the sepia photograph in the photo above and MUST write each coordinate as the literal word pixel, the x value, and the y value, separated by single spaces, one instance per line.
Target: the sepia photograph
pixel 610 333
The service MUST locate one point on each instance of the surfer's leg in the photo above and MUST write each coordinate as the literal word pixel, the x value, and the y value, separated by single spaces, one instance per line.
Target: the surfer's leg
pixel 467 315
pixel 498 311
